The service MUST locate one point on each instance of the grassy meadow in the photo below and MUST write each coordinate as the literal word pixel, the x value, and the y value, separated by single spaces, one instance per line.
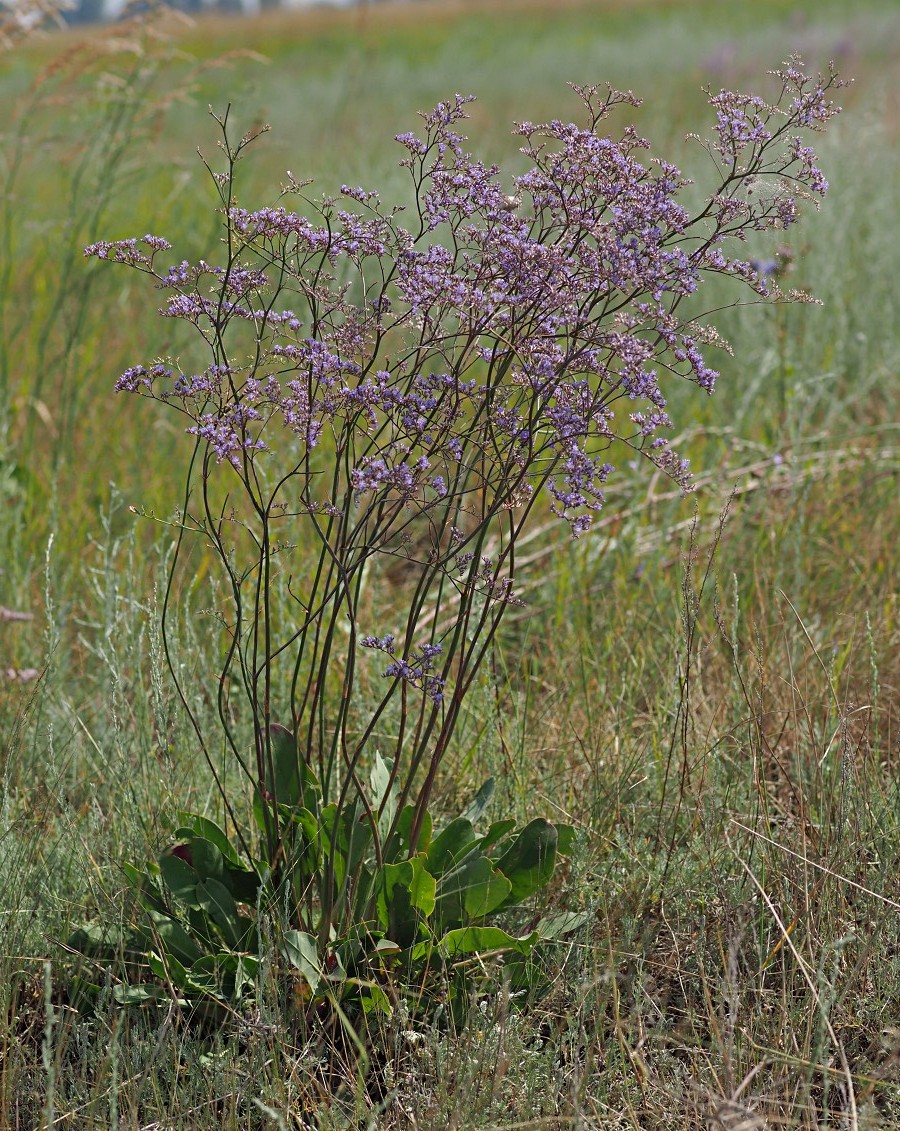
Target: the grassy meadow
pixel 707 686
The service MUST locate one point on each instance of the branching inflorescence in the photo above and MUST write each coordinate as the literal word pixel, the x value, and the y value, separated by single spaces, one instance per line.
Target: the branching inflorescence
pixel 378 388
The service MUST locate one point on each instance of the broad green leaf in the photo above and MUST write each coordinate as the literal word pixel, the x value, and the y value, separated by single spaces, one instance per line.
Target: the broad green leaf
pixel 397 914
pixel 390 876
pixel 422 889
pixel 205 979
pixel 471 890
pixel 293 783
pixel 306 834
pixel 384 794
pixel 529 861
pixel 215 974
pixel 169 969
pixel 193 825
pixel 243 883
pixel 180 878
pixel 421 953
pixel 555 926
pixel 483 940
pixel 146 886
pixel 134 875
pixel 260 809
pixel 425 831
pixel 477 807
pixel 284 784
pixel 138 995
pixel 175 939
pixel 449 845
pixel 355 944
pixel 565 839
pixel 397 846
pixel 358 836
pixel 328 824
pixel 374 998
pixel 363 893
pixel 216 900
pixel 406 892
pixel 206 859
pixel 223 963
pixel 245 973
pixel 347 837
pixel 495 833
pixel 201 858
pixel 301 951
pixel 95 940
pixel 81 990
pixel 198 927
pixel 304 844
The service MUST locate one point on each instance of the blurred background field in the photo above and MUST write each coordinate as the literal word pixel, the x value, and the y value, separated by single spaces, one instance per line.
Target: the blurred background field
pixel 716 707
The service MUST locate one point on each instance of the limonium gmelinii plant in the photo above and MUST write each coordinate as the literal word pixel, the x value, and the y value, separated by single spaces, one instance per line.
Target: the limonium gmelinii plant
pixel 396 393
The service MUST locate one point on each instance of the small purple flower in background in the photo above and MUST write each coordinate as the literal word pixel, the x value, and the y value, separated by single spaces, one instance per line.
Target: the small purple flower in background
pixel 765 268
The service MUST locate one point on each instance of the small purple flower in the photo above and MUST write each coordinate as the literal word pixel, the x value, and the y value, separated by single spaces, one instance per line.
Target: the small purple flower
pixel 128 251
pixel 417 671
pixel 379 643
pixel 138 379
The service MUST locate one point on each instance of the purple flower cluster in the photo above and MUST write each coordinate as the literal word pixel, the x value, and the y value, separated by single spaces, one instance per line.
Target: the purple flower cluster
pixel 417 671
pixel 129 251
pixel 492 351
pixel 741 122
